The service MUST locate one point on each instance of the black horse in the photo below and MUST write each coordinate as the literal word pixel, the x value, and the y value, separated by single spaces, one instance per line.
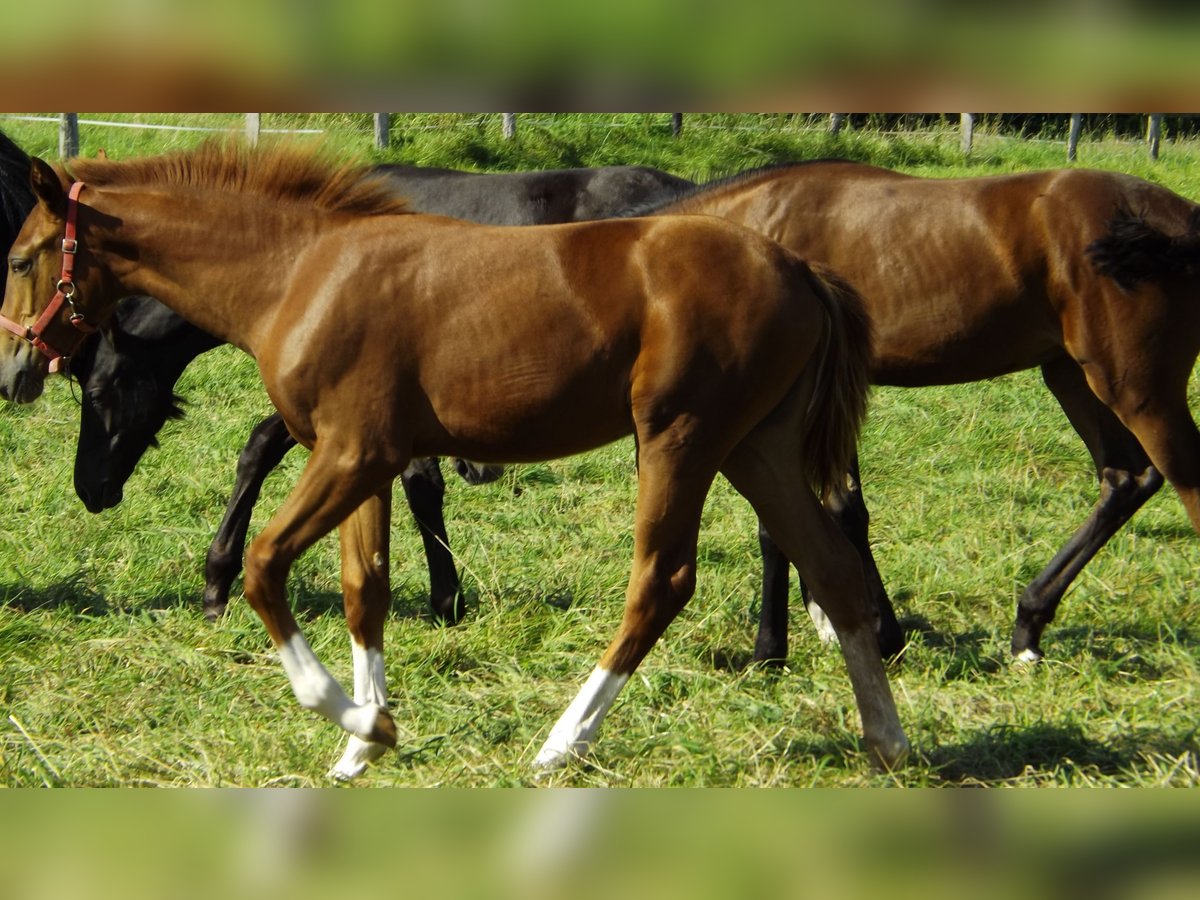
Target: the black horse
pixel 16 196
pixel 128 379
pixel 531 198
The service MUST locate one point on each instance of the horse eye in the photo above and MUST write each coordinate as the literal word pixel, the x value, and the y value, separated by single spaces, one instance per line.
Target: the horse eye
pixel 18 265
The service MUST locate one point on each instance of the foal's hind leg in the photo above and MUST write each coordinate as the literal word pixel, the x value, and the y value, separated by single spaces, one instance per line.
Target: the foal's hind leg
pixel 849 511
pixel 365 542
pixel 661 582
pixel 1127 481
pixel 765 469
pixel 331 487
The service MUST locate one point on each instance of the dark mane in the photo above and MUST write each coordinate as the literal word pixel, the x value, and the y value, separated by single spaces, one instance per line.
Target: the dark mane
pixel 686 193
pixel 16 196
pixel 278 173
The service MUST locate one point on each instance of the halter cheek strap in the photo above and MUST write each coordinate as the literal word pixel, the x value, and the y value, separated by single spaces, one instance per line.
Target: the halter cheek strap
pixel 64 294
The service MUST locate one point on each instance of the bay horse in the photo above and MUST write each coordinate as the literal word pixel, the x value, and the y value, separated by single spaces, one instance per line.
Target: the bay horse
pixel 383 335
pixel 128 378
pixel 1089 275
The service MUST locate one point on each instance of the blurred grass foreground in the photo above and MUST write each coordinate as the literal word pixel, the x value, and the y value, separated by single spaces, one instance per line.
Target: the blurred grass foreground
pixel 763 55
pixel 583 844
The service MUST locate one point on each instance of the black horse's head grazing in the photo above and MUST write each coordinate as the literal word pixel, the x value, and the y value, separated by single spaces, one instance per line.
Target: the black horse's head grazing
pixel 128 379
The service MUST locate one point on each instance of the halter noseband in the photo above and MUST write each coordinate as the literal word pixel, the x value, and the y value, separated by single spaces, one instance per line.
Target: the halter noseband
pixel 64 293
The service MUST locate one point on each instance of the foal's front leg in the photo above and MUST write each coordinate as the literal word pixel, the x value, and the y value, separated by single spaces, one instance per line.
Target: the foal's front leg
pixel 366 591
pixel 332 486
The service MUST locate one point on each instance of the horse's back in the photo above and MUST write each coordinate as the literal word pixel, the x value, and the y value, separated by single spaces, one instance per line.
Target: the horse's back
pixel 961 276
pixel 499 325
pixel 543 197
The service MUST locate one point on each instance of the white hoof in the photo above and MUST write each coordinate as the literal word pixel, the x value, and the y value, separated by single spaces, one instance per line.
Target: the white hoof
pixel 358 755
pixel 1027 657
pixel 556 754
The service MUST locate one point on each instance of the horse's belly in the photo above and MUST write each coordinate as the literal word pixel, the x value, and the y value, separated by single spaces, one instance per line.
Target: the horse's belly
pixel 944 354
pixel 527 416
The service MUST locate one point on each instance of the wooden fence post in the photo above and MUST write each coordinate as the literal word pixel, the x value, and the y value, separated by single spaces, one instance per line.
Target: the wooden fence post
pixel 676 124
pixel 68 135
pixel 1154 133
pixel 836 121
pixel 253 126
pixel 383 130
pixel 967 121
pixel 510 126
pixel 1073 136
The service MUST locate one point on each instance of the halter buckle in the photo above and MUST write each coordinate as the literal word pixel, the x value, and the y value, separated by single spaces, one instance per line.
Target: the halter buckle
pixel 70 245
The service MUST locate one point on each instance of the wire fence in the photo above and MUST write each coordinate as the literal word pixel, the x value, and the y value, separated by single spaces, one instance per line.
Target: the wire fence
pixel 1066 128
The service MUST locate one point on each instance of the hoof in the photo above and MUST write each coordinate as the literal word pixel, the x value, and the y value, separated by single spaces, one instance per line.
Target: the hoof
pixel 549 760
pixel 890 756
pixel 892 645
pixel 558 751
pixel 771 653
pixel 1030 656
pixel 384 730
pixel 358 755
pixel 770 662
pixel 448 610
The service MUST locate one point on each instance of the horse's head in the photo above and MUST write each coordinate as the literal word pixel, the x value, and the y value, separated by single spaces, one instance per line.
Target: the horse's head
pixel 128 378
pixel 49 276
pixel 477 473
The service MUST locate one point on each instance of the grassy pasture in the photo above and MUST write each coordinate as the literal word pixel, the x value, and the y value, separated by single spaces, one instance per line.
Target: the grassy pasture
pixel 110 676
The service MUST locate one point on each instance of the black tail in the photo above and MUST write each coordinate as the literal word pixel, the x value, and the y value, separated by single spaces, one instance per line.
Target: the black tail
pixel 1134 251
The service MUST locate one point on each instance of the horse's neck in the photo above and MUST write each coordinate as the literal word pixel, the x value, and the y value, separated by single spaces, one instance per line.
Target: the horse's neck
pixel 729 201
pixel 225 275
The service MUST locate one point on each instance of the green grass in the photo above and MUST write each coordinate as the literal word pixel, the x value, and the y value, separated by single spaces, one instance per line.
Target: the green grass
pixel 110 676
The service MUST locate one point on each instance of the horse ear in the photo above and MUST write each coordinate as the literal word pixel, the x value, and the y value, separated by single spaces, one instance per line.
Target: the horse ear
pixel 100 154
pixel 47 184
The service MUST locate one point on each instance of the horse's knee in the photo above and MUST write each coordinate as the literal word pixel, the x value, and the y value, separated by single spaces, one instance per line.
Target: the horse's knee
pixel 262 569
pixel 662 592
pixel 1122 487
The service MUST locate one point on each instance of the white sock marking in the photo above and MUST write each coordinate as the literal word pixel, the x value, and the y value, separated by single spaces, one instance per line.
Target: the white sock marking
pixel 316 689
pixel 825 629
pixel 572 734
pixel 369 687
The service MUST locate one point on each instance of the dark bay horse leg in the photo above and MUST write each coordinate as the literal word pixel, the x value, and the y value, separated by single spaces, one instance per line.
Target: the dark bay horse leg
pixel 849 511
pixel 1127 481
pixel 1150 397
pixel 771 645
pixel 425 489
pixel 264 450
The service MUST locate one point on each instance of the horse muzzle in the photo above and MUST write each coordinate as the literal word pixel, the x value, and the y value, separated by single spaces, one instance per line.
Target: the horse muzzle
pixel 477 473
pixel 22 378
